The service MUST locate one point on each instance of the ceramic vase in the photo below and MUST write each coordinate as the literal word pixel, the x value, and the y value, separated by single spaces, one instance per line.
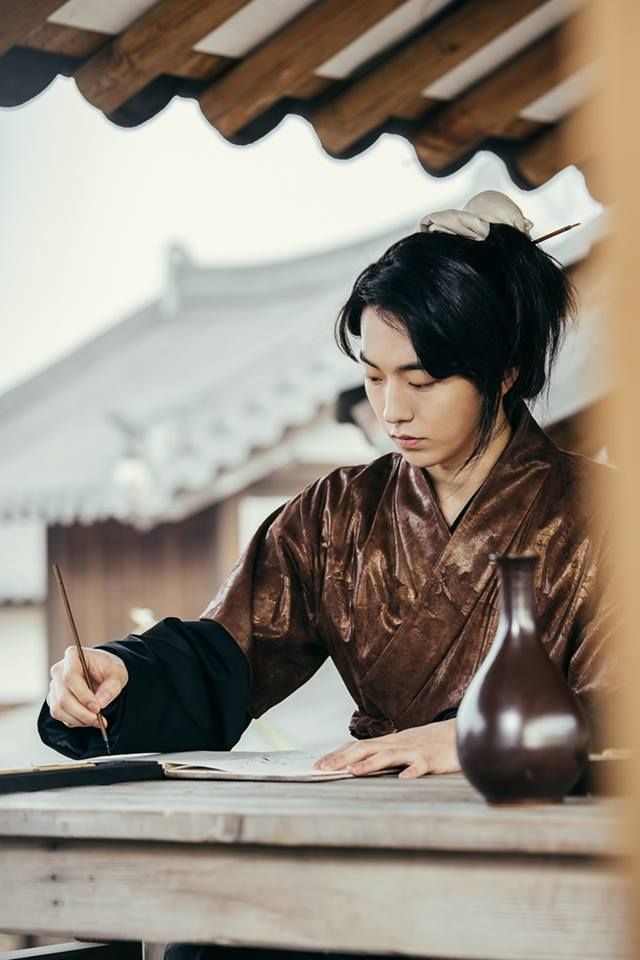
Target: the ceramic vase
pixel 522 734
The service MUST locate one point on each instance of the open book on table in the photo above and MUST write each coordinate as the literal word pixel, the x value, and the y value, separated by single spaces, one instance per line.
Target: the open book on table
pixel 227 765
pixel 245 765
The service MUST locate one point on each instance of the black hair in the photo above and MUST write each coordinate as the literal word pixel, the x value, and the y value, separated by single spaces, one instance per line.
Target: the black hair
pixel 472 308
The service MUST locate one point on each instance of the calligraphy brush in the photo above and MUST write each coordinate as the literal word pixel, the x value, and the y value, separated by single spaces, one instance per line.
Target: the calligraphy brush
pixel 85 669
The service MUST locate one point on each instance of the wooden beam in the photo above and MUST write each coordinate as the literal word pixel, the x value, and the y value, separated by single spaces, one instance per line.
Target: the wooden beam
pixel 311 87
pixel 288 59
pixel 417 108
pixel 494 103
pixel 18 18
pixel 149 47
pixel 193 65
pixel 522 129
pixel 543 156
pixel 74 42
pixel 387 89
pixel 70 41
pixel 198 66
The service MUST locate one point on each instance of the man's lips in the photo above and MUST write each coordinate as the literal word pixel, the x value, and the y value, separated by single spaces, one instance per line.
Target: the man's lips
pixel 407 442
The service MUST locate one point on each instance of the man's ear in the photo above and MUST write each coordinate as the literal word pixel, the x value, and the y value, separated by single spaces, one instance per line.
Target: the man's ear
pixel 509 379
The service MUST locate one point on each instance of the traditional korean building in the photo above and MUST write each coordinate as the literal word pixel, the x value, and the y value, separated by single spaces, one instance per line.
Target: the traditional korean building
pixel 150 454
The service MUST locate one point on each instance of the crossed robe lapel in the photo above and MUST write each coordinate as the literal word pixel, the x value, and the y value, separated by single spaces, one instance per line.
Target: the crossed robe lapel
pixel 461 572
pixel 395 561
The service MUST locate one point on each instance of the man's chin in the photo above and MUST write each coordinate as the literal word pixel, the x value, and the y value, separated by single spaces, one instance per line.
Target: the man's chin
pixel 420 458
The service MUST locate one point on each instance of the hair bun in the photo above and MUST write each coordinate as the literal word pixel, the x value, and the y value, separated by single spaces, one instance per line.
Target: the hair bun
pixel 475 219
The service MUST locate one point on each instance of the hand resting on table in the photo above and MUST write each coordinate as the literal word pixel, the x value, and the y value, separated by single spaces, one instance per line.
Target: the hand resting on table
pixel 418 750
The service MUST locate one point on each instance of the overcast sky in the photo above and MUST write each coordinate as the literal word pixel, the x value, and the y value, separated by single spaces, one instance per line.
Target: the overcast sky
pixel 89 209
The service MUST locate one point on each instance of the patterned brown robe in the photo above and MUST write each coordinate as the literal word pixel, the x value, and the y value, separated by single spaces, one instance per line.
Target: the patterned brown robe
pixel 362 567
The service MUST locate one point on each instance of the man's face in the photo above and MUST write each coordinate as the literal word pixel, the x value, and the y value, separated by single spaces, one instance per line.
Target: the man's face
pixel 440 417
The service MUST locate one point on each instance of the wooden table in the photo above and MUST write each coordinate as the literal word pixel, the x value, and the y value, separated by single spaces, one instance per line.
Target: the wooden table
pixel 378 865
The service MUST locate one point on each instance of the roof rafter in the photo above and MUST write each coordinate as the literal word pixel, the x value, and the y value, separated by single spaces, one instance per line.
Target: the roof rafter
pixel 387 89
pixel 17 19
pixel 78 42
pixel 287 59
pixel 147 48
pixel 494 103
pixel 70 41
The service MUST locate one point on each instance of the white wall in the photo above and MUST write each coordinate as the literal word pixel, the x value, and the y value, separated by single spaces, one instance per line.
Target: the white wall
pixel 23 653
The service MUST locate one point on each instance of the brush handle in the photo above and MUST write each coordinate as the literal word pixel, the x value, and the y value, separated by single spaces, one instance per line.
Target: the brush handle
pixel 85 668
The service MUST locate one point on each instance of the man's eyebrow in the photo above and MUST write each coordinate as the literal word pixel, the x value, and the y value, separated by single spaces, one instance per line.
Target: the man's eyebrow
pixel 402 369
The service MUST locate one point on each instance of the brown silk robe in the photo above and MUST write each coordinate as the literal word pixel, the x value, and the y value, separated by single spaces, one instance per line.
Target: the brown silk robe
pixel 361 567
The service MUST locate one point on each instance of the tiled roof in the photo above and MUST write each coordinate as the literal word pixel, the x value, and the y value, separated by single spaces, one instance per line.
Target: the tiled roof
pixel 192 396
pixel 451 76
pixel 205 390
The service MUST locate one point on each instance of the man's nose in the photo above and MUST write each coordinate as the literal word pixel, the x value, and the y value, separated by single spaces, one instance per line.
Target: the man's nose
pixel 397 409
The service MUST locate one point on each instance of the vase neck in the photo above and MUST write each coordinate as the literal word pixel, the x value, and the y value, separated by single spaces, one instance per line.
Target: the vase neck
pixel 517 594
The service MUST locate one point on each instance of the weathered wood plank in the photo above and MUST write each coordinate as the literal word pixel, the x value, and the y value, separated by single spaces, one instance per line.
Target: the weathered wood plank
pixel 288 59
pixel 438 813
pixel 433 905
pixel 147 48
pixel 493 104
pixel 18 19
pixel 388 88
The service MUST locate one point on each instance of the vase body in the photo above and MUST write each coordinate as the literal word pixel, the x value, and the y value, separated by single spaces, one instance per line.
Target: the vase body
pixel 522 734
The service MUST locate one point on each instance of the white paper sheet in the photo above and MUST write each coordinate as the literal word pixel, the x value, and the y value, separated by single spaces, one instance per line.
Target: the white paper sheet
pixel 278 763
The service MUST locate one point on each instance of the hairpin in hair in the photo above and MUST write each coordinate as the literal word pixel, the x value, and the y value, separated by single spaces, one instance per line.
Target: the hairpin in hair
pixel 554 233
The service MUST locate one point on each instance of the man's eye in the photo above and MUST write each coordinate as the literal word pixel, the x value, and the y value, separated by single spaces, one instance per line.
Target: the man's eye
pixel 372 379
pixel 422 386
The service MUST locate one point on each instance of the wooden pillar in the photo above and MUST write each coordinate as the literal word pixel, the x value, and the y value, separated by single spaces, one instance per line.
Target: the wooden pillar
pixel 614 134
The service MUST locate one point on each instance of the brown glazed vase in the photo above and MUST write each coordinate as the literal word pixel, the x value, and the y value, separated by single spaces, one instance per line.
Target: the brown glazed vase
pixel 522 735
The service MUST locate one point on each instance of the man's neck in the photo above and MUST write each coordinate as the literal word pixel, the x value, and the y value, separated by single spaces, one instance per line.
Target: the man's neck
pixel 455 486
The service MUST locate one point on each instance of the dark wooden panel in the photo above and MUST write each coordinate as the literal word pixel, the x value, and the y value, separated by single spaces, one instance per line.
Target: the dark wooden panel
pixel 109 567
